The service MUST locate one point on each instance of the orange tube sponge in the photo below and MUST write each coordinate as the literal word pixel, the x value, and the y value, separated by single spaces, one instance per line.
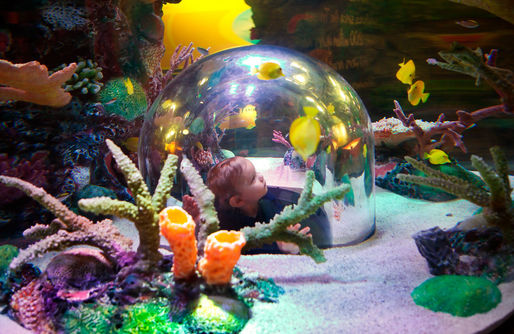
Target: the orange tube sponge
pixel 222 251
pixel 178 227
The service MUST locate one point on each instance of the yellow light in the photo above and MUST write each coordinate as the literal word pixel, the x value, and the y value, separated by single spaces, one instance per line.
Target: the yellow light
pixel 206 23
pixel 204 80
pixel 170 134
pixel 300 78
pixel 185 132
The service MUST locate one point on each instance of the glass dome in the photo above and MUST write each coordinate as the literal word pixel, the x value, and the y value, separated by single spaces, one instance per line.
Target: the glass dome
pixel 234 103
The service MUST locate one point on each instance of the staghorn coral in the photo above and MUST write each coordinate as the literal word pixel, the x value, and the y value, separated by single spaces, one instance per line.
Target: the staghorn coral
pixel 145 212
pixel 495 199
pixel 208 216
pixel 30 82
pixel 69 229
pixel 222 251
pixel 178 227
pixel 276 229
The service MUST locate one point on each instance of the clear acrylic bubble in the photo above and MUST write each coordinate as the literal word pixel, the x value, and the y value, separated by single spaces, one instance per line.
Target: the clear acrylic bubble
pixel 234 103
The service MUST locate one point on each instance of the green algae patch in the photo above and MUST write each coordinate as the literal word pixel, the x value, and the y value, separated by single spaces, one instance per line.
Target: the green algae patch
pixel 461 296
pixel 216 315
pixel 7 253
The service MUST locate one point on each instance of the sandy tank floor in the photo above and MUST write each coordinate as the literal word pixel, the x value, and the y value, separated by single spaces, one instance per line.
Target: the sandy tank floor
pixel 363 288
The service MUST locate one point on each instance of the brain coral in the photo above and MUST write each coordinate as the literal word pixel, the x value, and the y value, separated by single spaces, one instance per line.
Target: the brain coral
pixel 123 97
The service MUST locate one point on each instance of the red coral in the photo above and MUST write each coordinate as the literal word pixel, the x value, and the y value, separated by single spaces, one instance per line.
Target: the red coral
pixel 33 171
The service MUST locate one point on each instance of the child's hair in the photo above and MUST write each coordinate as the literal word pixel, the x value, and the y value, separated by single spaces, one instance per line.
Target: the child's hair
pixel 222 179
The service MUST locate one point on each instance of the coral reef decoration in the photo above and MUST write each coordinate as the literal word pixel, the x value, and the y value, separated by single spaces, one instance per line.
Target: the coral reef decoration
pixel 78 269
pixel 34 171
pixel 276 229
pixel 204 198
pixel 28 306
pixel 86 78
pixel 151 316
pixel 449 131
pixel 463 60
pixel 178 227
pixel 222 251
pixel 477 252
pixel 461 296
pixel 495 199
pixel 145 212
pixel 67 230
pixel 63 14
pixel 217 314
pixel 30 82
pixel 123 97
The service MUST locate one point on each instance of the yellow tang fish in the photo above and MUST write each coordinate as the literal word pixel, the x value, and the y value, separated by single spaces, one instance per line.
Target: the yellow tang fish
pixel 437 157
pixel 416 93
pixel 305 133
pixel 268 71
pixel 244 119
pixel 131 143
pixel 129 85
pixel 406 72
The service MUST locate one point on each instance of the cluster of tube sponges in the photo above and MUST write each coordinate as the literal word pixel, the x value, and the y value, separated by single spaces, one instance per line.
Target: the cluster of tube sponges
pixel 221 251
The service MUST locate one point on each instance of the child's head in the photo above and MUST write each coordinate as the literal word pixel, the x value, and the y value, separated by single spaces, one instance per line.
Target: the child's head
pixel 235 183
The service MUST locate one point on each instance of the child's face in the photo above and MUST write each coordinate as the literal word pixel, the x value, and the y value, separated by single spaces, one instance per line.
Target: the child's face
pixel 251 186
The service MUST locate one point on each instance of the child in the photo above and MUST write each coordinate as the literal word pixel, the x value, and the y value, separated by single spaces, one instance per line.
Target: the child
pixel 242 199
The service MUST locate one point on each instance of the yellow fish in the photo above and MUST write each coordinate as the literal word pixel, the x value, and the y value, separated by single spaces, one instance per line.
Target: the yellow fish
pixel 416 93
pixel 437 157
pixel 130 86
pixel 339 134
pixel 305 133
pixel 268 71
pixel 131 144
pixel 406 72
pixel 172 147
pixel 244 119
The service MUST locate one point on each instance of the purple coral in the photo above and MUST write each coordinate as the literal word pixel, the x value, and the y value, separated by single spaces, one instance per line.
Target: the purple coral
pixel 34 171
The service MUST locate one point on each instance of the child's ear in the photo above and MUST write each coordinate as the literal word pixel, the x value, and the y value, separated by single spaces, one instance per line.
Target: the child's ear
pixel 236 201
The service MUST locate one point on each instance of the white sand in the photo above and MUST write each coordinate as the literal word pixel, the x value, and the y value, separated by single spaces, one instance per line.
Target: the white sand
pixel 363 288
pixel 366 288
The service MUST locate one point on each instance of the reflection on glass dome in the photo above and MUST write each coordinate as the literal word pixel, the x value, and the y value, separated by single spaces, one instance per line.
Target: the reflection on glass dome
pixel 237 102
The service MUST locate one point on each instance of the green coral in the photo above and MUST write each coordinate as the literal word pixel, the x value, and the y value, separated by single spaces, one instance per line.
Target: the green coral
pixel 217 315
pixel 252 286
pixel 461 296
pixel 123 97
pixel 151 317
pixel 495 199
pixel 89 318
pixel 145 212
pixel 7 254
pixel 276 229
pixel 86 78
